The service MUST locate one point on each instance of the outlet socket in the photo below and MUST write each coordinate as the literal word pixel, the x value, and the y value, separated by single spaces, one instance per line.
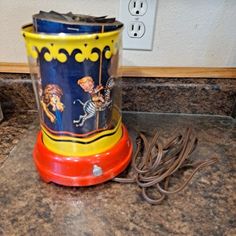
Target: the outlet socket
pixel 136 29
pixel 138 7
pixel 139 18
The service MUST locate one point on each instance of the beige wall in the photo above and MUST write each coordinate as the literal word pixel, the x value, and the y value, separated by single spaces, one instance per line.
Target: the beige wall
pixel 188 32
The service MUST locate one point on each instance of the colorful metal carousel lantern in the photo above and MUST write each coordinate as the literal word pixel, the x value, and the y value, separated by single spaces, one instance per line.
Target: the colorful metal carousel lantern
pixel 82 139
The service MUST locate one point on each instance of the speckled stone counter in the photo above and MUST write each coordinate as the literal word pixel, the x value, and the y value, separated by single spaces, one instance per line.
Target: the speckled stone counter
pixel 162 95
pixel 29 206
pixel 12 128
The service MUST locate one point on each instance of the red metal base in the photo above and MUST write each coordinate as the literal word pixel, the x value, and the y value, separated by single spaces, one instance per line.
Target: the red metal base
pixel 82 171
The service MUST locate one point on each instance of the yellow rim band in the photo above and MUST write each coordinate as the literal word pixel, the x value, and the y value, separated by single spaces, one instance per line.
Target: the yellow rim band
pixel 54 43
pixel 68 146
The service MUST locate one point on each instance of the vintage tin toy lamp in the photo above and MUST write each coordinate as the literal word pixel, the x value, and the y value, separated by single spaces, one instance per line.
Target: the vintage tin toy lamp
pixel 82 139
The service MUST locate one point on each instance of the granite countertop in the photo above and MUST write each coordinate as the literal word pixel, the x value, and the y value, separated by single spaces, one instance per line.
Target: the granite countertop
pixel 12 128
pixel 29 206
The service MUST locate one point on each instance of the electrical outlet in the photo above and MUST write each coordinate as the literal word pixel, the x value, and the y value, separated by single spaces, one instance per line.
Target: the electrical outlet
pixel 137 7
pixel 136 29
pixel 138 17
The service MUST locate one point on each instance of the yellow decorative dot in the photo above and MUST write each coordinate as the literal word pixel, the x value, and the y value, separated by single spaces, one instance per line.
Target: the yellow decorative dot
pixel 79 57
pixel 94 56
pixel 108 54
pixel 47 56
pixel 62 57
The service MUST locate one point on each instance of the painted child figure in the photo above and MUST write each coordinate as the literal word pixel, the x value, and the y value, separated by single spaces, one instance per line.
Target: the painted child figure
pixel 97 103
pixel 87 84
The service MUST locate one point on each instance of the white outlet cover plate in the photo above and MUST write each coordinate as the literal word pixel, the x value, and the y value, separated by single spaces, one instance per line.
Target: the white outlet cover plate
pixel 148 19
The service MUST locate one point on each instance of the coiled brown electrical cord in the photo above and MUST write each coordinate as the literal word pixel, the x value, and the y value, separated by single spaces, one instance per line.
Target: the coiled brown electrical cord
pixel 154 163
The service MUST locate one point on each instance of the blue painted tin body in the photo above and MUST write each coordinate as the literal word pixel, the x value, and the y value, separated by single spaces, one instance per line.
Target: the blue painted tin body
pixel 80 114
pixel 84 89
